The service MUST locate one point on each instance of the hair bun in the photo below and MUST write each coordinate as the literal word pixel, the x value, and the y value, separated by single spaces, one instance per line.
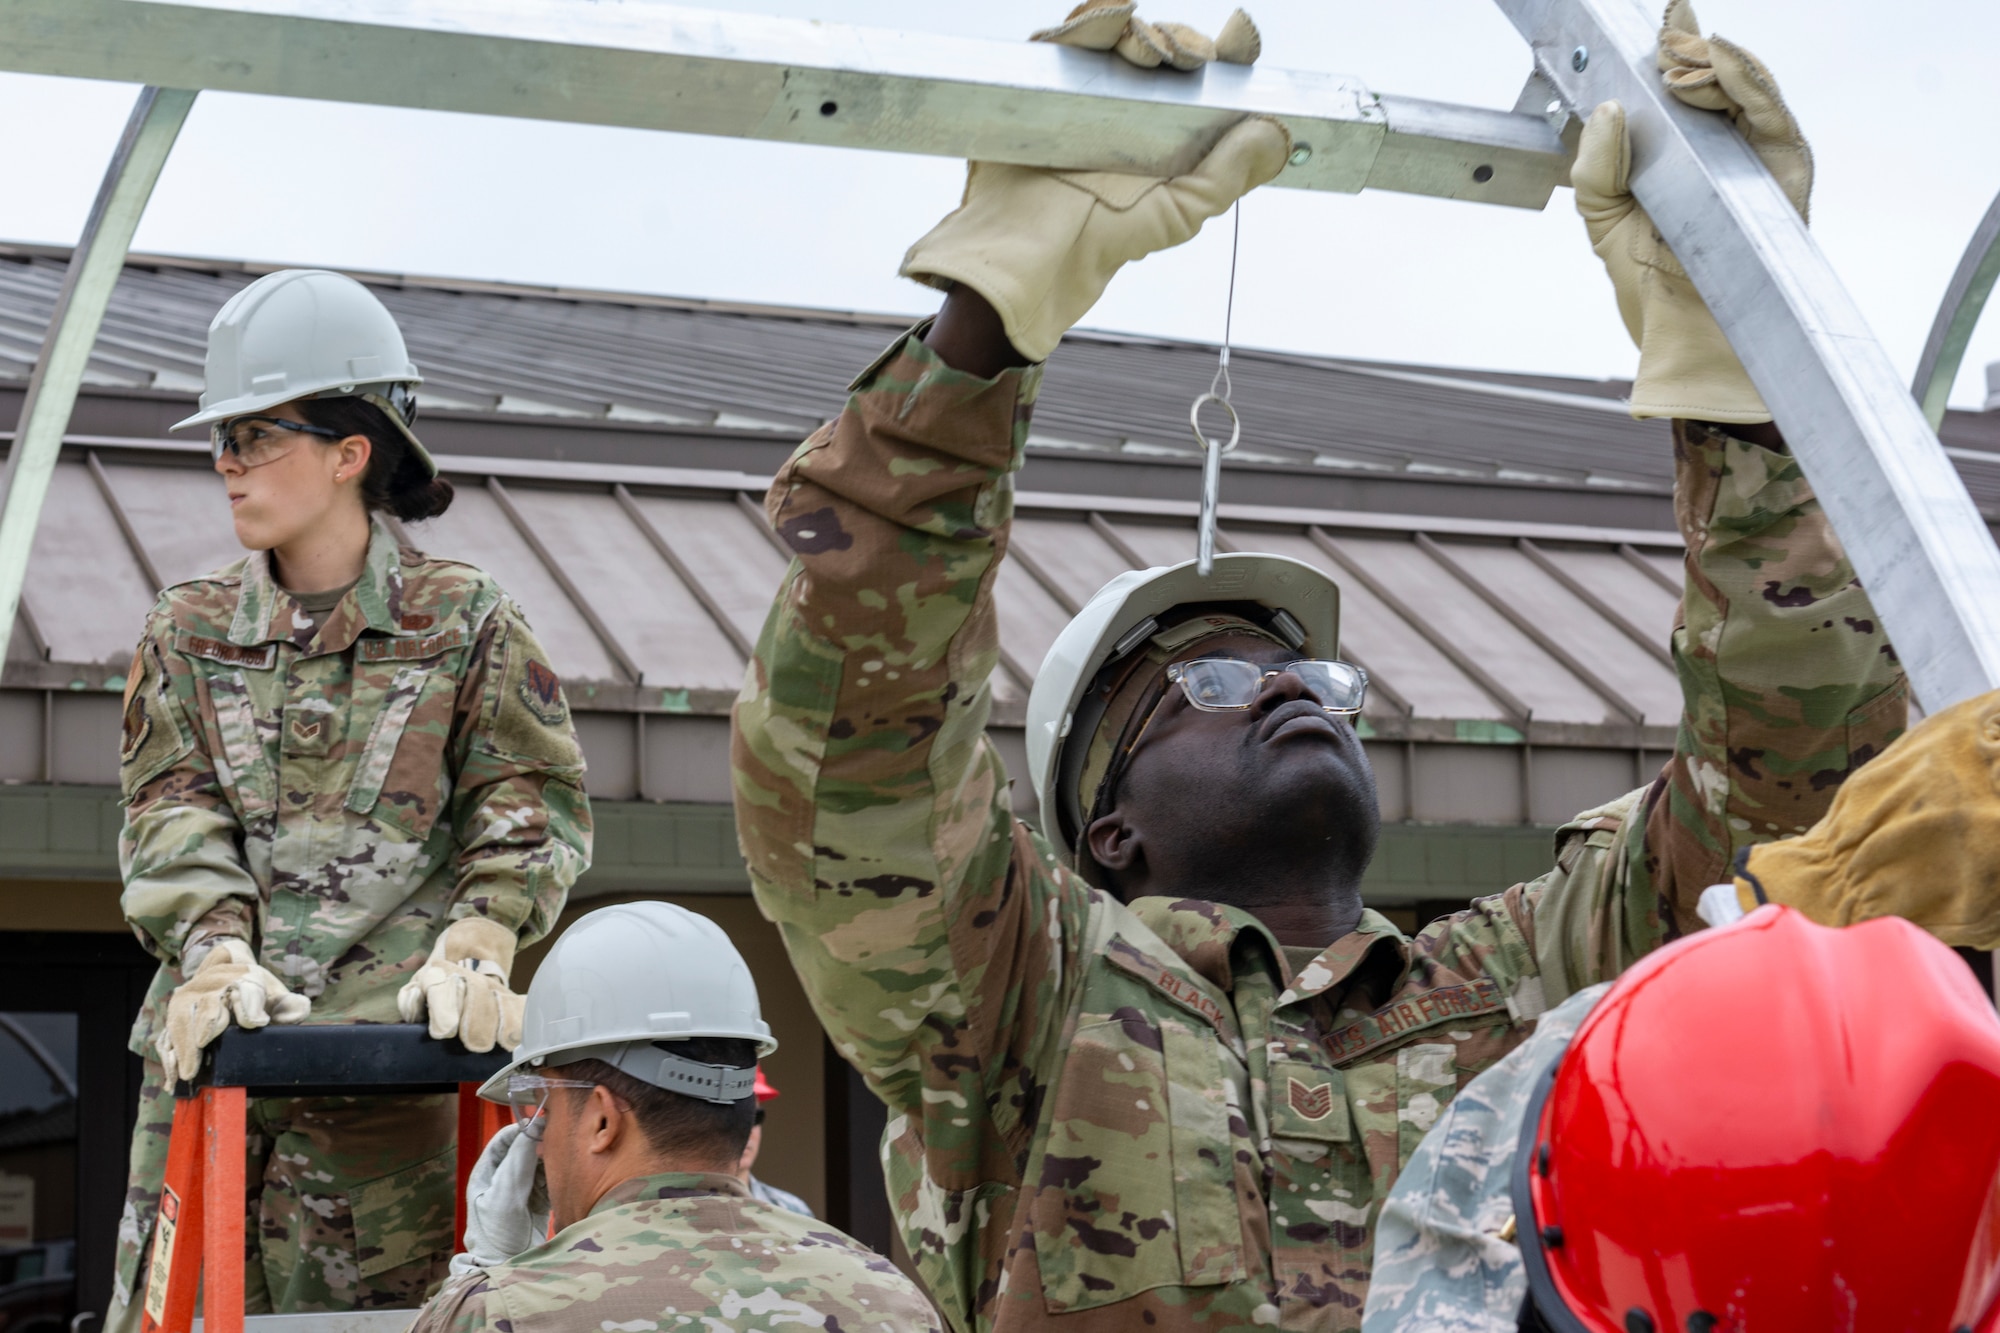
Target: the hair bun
pixel 424 500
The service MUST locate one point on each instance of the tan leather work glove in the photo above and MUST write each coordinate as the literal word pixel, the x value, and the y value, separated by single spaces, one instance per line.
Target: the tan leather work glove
pixel 463 986
pixel 1041 245
pixel 1915 833
pixel 227 983
pixel 1686 367
pixel 1108 25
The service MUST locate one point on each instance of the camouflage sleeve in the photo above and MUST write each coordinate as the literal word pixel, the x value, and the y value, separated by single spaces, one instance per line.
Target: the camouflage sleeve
pixel 522 820
pixel 458 1307
pixel 1789 684
pixel 1441 1263
pixel 177 850
pixel 931 931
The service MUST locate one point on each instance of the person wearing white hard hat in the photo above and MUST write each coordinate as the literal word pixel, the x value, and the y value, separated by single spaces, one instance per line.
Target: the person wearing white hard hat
pixel 1154 1064
pixel 352 790
pixel 613 1200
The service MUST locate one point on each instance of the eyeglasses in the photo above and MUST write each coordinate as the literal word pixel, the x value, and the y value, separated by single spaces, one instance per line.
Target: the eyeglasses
pixel 528 1096
pixel 1225 684
pixel 256 441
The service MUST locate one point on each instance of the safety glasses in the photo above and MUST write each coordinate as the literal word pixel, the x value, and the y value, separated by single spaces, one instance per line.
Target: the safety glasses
pixel 1225 684
pixel 528 1096
pixel 256 441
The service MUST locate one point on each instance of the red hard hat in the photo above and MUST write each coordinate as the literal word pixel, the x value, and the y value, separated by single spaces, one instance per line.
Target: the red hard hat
pixel 1771 1126
pixel 765 1092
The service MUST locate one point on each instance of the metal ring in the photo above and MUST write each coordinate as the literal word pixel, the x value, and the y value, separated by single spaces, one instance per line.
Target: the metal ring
pixel 1194 419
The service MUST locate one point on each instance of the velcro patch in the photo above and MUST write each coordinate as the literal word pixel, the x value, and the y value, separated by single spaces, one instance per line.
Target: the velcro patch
pixel 1309 1102
pixel 1312 1102
pixel 410 650
pixel 541 691
pixel 1398 1019
pixel 258 658
pixel 1183 991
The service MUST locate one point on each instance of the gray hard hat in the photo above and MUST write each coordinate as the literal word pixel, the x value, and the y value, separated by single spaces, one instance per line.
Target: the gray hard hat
pixel 307 333
pixel 623 984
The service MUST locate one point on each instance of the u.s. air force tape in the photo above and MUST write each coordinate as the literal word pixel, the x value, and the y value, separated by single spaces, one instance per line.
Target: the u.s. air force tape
pixel 722 1084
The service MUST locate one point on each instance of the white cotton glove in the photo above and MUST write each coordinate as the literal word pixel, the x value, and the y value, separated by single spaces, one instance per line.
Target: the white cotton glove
pixel 506 1202
pixel 227 983
pixel 463 986
pixel 1686 366
pixel 1042 245
pixel 1110 25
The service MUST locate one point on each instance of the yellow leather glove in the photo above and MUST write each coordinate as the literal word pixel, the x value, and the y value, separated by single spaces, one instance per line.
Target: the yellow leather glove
pixel 463 986
pixel 1686 367
pixel 1915 833
pixel 1109 25
pixel 227 982
pixel 1041 245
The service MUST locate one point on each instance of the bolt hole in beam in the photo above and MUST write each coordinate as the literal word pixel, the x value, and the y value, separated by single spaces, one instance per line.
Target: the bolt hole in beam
pixel 752 76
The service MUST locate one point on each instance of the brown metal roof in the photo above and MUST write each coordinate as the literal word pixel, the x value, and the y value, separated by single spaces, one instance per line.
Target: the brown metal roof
pixel 649 584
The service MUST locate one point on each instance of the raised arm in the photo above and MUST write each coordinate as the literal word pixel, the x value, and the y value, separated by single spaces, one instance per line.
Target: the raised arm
pixel 931 931
pixel 872 808
pixel 1788 680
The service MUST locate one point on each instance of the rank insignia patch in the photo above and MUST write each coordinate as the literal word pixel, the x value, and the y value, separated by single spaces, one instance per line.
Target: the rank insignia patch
pixel 1311 1102
pixel 542 693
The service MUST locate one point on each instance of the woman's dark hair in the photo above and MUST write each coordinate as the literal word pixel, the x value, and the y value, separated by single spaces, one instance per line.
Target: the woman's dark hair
pixel 395 481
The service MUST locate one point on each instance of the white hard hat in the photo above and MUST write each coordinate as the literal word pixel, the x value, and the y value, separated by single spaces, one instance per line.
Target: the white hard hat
pixel 306 333
pixel 1121 618
pixel 623 983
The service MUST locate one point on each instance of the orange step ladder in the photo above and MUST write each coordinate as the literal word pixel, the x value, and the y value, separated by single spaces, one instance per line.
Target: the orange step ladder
pixel 198 1241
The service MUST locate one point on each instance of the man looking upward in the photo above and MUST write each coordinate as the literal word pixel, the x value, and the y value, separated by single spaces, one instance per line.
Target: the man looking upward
pixel 1155 1066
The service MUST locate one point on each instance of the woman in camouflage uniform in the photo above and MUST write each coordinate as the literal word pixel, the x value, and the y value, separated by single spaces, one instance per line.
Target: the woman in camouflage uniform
pixel 352 788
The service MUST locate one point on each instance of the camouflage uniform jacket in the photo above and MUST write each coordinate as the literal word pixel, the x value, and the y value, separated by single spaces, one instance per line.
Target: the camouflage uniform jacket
pixel 335 795
pixel 1112 1115
pixel 675 1251
pixel 1440 1264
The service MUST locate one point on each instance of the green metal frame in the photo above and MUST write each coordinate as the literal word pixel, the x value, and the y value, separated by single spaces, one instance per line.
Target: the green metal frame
pixel 1957 316
pixel 149 136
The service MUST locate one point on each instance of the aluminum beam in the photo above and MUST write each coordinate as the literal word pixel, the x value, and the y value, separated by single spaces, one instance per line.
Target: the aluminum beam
pixel 661 67
pixel 1957 316
pixel 1919 545
pixel 93 272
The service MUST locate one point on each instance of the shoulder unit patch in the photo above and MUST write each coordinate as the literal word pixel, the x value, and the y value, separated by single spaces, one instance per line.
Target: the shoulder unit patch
pixel 542 693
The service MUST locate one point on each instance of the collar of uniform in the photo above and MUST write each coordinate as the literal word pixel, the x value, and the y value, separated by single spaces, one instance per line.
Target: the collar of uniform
pixel 1374 938
pixel 671 1185
pixel 265 611
pixel 1206 934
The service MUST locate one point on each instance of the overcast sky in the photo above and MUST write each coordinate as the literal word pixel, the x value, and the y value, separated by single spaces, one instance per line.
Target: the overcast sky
pixel 1902 104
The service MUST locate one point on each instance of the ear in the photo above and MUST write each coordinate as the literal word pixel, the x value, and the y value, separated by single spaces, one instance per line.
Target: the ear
pixel 353 454
pixel 603 1120
pixel 1116 845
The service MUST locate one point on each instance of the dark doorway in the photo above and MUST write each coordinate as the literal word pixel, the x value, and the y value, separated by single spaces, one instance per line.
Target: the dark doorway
pixel 69 1092
pixel 857 1201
